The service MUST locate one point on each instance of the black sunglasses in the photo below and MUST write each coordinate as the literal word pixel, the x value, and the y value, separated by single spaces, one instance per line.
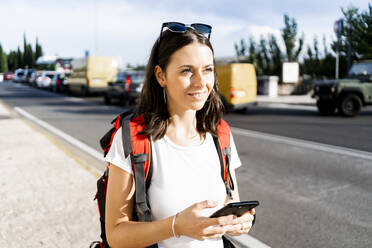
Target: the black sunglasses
pixel 178 27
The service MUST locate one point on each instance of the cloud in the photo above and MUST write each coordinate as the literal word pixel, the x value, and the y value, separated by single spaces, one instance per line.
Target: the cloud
pixel 129 28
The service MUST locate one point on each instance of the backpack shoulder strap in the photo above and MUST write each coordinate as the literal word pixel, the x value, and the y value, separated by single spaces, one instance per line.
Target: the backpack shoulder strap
pixel 222 143
pixel 138 146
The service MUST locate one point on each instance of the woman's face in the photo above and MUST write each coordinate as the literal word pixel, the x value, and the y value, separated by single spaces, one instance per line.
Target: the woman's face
pixel 189 78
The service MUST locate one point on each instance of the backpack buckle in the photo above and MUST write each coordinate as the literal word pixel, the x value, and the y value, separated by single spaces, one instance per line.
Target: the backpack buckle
pixel 143 212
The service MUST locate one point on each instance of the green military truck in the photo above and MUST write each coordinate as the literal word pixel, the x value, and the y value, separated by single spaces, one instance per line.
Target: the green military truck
pixel 348 95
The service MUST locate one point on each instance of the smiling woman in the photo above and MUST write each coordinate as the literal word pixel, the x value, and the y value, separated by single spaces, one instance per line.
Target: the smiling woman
pixel 182 115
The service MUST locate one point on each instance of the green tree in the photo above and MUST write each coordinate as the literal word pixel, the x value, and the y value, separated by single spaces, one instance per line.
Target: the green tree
pixel 38 50
pixel 28 54
pixel 19 58
pixel 12 61
pixel 289 35
pixel 242 49
pixel 276 56
pixel 3 60
pixel 362 30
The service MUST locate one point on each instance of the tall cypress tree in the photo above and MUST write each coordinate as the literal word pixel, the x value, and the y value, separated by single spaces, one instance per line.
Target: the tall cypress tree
pixel 38 50
pixel 289 35
pixel 28 54
pixel 19 57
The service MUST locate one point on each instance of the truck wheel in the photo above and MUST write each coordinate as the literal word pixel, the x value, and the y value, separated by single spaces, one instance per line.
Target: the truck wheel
pixel 325 107
pixel 350 105
pixel 107 100
pixel 84 91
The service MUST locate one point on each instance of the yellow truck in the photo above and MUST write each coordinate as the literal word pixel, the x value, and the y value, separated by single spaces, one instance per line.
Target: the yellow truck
pixel 237 85
pixel 92 74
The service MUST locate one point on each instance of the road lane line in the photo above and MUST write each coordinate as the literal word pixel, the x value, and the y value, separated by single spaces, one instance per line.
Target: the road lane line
pixel 303 143
pixel 245 242
pixel 287 106
pixel 91 151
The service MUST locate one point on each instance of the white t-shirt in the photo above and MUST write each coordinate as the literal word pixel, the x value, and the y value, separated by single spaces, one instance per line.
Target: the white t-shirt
pixel 181 177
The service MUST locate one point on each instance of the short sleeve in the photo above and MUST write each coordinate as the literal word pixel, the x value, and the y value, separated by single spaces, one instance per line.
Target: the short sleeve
pixel 235 160
pixel 116 154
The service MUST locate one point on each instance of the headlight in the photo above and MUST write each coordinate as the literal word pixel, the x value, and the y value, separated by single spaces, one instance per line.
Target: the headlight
pixel 333 89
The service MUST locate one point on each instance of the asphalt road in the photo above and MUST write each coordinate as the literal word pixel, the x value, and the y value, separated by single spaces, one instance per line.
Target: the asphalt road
pixel 310 196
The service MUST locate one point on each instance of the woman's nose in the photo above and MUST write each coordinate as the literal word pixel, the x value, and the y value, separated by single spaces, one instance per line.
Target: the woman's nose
pixel 199 79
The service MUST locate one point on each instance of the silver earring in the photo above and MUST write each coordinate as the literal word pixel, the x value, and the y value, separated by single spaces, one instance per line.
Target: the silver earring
pixel 165 97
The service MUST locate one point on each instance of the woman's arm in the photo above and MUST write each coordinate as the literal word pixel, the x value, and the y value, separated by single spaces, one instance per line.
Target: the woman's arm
pixel 122 232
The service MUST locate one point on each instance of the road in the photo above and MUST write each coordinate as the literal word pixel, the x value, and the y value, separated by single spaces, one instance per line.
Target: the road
pixel 311 194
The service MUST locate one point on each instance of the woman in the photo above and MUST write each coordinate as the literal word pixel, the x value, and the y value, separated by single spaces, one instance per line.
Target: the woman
pixel 182 109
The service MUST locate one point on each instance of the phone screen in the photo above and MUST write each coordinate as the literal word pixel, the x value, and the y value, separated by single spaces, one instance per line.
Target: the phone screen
pixel 235 208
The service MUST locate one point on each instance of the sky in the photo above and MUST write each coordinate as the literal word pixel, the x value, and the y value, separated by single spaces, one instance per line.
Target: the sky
pixel 129 28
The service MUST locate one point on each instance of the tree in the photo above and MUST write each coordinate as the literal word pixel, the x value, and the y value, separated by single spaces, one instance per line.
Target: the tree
pixel 3 60
pixel 241 50
pixel 28 54
pixel 38 50
pixel 275 55
pixel 362 29
pixel 19 58
pixel 12 61
pixel 289 35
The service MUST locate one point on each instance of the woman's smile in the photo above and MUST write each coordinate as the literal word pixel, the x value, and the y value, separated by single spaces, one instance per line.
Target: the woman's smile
pixel 199 95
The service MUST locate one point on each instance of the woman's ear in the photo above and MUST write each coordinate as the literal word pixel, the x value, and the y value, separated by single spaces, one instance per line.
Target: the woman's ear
pixel 160 76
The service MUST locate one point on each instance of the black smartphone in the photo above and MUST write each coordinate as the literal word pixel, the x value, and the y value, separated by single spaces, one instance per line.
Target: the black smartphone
pixel 235 208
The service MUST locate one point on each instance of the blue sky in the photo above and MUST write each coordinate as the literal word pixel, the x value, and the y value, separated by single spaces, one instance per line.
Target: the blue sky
pixel 128 28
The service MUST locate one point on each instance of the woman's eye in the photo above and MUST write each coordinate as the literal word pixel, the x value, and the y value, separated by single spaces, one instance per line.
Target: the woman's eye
pixel 210 69
pixel 185 71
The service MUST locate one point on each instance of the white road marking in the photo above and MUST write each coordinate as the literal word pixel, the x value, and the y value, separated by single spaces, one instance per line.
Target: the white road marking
pixel 91 151
pixel 304 143
pixel 287 106
pixel 244 242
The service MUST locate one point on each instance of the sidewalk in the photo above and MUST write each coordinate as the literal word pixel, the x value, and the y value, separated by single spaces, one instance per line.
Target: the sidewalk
pixel 291 99
pixel 47 196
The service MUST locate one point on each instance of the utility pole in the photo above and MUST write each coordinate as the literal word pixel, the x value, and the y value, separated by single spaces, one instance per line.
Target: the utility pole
pixel 338 27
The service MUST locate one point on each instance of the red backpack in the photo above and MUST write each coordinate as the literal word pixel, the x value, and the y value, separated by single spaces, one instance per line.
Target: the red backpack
pixel 138 146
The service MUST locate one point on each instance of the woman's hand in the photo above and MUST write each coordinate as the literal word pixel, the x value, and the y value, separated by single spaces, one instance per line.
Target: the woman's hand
pixel 243 224
pixel 191 223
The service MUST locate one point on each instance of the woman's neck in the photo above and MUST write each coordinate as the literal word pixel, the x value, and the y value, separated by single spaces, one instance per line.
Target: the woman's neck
pixel 182 129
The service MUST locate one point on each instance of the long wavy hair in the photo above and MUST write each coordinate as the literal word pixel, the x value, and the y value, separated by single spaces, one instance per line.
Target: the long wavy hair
pixel 152 104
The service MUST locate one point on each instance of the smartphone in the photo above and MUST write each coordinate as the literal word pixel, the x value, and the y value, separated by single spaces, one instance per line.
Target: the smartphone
pixel 235 208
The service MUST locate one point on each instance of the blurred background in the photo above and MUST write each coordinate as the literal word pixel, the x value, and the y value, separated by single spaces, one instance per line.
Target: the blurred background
pixel 295 78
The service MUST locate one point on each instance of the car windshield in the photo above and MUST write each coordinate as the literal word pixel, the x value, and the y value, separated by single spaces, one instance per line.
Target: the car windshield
pixel 361 69
pixel 137 78
pixel 49 76
pixel 120 77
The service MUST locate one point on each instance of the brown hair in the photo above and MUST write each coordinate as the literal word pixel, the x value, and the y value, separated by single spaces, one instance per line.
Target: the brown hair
pixel 152 104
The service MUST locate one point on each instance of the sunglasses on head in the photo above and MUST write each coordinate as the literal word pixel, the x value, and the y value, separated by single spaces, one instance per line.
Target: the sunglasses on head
pixel 178 27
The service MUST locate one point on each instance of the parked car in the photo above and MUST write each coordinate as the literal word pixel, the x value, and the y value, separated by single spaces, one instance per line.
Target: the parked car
pixel 125 88
pixel 348 95
pixel 27 76
pixel 18 75
pixel 45 79
pixel 58 83
pixel 33 78
pixel 8 76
